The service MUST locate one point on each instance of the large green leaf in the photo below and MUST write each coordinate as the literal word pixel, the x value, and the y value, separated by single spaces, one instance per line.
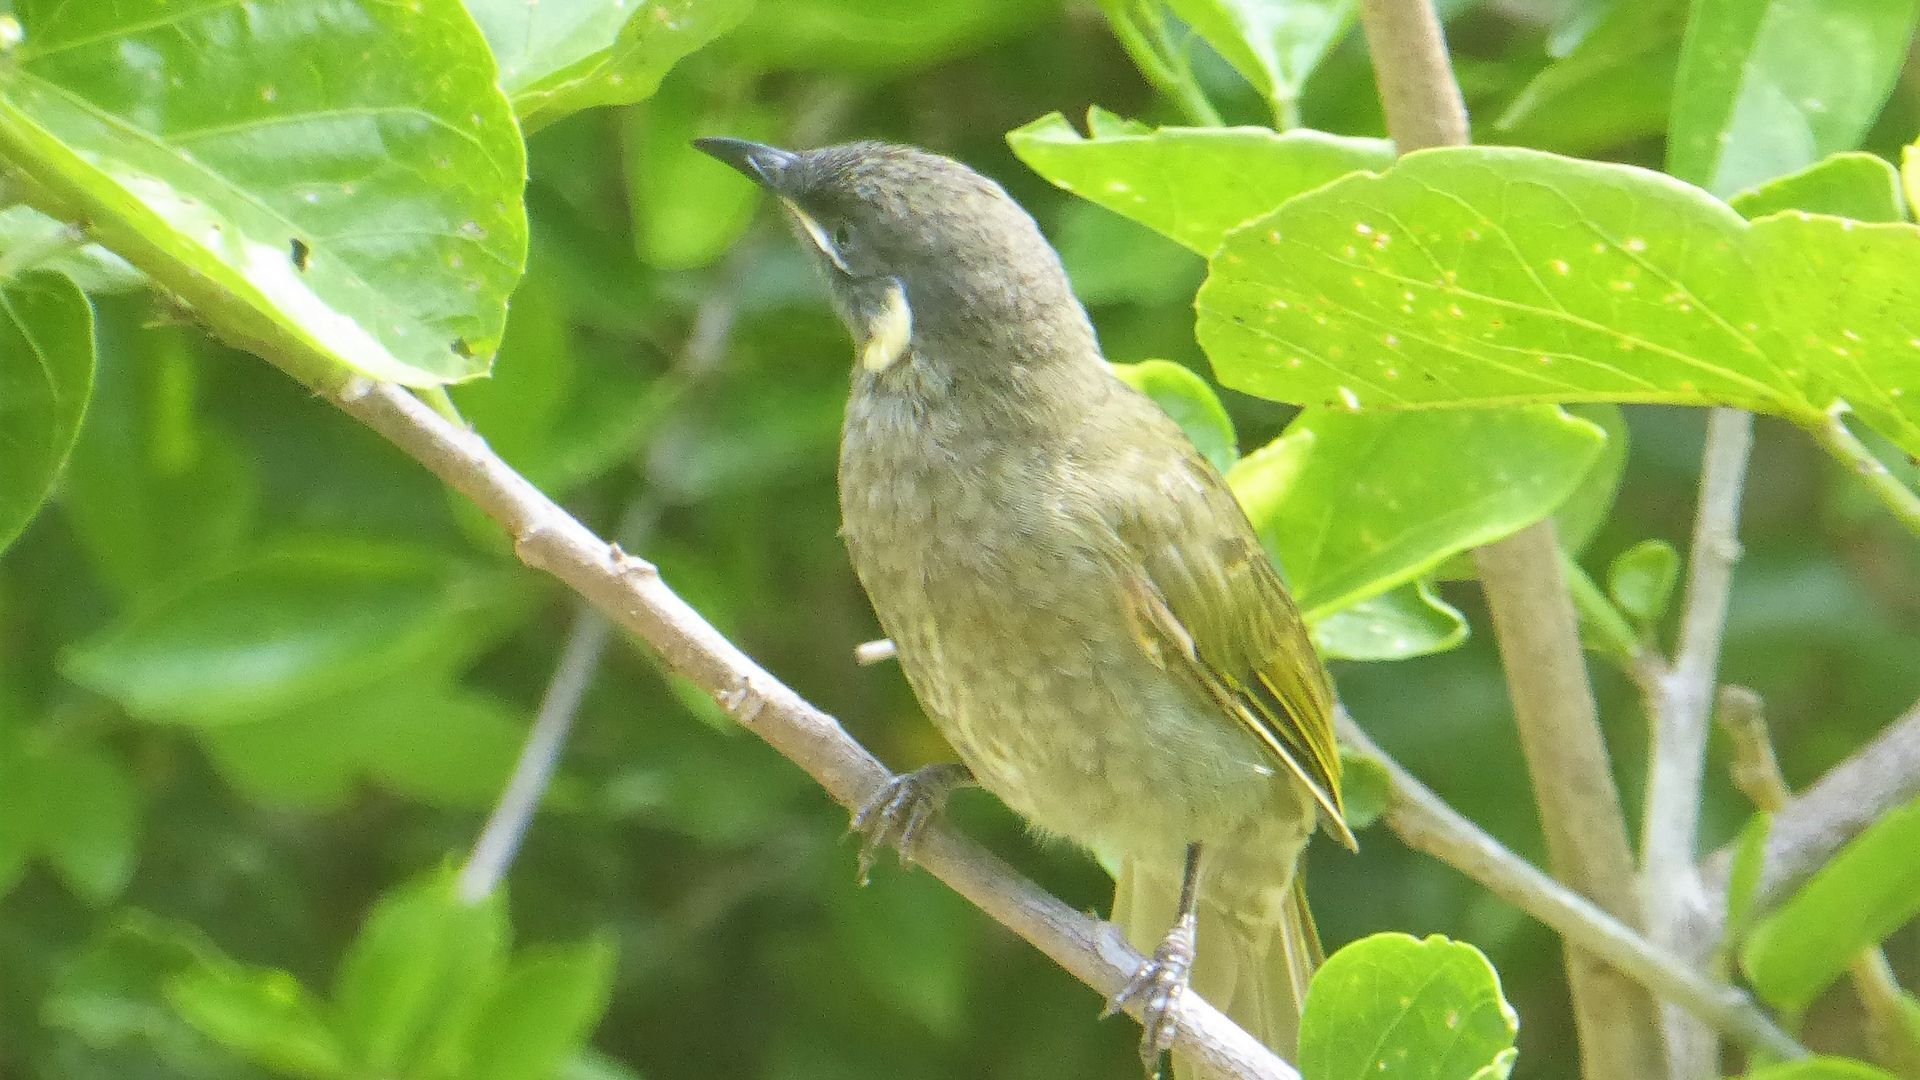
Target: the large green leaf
pixel 1276 45
pixel 1193 184
pixel 1391 1007
pixel 301 621
pixel 1613 85
pixel 46 377
pixel 1353 504
pixel 1851 185
pixel 1497 276
pixel 1767 87
pixel 560 56
pixel 422 962
pixel 1869 890
pixel 335 180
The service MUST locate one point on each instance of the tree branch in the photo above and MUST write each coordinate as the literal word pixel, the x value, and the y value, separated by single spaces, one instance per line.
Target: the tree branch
pixel 1425 822
pixel 1852 795
pixel 1533 615
pixel 630 592
pixel 1678 715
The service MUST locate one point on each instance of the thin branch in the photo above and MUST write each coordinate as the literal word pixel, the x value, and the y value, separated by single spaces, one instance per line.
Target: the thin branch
pixel 1678 715
pixel 1852 795
pixel 1425 822
pixel 1537 631
pixel 629 591
pixel 1158 58
pixel 507 824
pixel 1842 443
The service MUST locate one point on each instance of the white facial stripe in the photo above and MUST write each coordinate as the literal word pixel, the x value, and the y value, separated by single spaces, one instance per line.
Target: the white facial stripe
pixel 889 333
pixel 816 233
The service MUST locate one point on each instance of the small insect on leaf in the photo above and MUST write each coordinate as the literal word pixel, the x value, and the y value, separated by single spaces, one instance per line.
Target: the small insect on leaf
pixel 301 253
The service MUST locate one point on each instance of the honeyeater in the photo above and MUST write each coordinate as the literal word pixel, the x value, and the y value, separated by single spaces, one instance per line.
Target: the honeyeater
pixel 1075 597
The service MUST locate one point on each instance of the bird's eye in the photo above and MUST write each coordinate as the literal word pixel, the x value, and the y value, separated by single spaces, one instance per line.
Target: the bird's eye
pixel 842 236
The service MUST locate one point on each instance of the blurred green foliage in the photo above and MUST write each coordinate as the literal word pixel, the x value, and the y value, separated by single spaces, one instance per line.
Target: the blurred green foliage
pixel 260 676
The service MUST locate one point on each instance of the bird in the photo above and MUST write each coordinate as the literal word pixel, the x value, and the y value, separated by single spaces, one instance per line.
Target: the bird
pixel 1074 596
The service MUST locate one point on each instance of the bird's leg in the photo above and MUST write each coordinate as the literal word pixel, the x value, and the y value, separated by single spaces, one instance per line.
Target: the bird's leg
pixel 894 817
pixel 1163 978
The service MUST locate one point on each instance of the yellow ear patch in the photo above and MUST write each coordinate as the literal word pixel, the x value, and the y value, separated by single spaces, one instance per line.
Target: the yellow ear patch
pixel 816 233
pixel 889 332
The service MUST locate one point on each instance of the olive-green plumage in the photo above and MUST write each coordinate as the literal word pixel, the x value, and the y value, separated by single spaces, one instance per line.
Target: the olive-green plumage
pixel 1076 598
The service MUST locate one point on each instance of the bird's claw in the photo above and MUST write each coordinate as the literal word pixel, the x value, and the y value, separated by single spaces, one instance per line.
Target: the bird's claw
pixel 1158 986
pixel 894 817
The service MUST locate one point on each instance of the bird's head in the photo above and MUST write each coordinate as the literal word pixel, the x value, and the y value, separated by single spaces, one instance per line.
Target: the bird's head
pixel 923 255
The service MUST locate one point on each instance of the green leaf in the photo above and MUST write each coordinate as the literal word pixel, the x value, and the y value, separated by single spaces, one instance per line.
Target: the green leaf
pixel 1850 185
pixel 1111 260
pixel 561 56
pixel 438 743
pixel 1584 511
pixel 1191 403
pixel 46 377
pixel 1641 579
pixel 1743 876
pixel 1616 82
pixel 1275 45
pixel 878 37
pixel 157 492
pixel 1910 175
pixel 337 182
pixel 92 267
pixel 302 620
pixel 1495 276
pixel 1403 622
pixel 114 992
pixel 1366 788
pixel 1353 504
pixel 1767 88
pixel 1869 890
pixel 264 1014
pixel 1820 1068
pixel 542 1013
pixel 685 211
pixel 422 961
pixel 73 805
pixel 1192 184
pixel 1390 1007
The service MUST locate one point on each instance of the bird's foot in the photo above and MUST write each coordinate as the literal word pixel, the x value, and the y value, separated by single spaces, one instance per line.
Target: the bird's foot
pixel 894 817
pixel 1158 986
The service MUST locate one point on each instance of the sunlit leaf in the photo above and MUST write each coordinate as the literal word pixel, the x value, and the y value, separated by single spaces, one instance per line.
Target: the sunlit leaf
pixel 422 960
pixel 1768 87
pixel 338 180
pixel 1391 1007
pixel 1191 403
pixel 1366 789
pixel 46 377
pixel 1193 184
pixel 1869 890
pixel 1496 276
pixel 1819 1068
pixel 1851 185
pixel 560 56
pixel 1353 504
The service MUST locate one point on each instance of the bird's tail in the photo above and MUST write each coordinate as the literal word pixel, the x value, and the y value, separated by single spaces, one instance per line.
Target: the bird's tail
pixel 1255 971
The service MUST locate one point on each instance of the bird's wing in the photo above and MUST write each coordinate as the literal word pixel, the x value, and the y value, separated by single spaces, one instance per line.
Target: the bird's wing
pixel 1205 599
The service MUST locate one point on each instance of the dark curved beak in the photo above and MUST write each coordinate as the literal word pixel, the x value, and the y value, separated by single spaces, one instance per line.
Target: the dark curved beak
pixel 764 165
